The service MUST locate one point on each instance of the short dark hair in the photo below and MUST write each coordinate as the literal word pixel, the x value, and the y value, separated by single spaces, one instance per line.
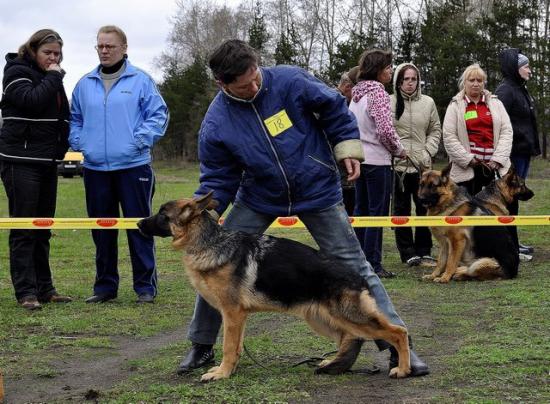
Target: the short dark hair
pixel 232 59
pixel 39 38
pixel 372 62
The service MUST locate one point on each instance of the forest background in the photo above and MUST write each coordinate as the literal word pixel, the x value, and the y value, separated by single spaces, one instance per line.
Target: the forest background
pixel 326 37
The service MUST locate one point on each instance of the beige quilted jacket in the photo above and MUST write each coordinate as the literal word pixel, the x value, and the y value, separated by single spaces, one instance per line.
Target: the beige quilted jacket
pixel 455 136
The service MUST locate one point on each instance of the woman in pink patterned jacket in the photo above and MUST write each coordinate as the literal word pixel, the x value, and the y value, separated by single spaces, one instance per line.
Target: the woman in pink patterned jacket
pixel 371 106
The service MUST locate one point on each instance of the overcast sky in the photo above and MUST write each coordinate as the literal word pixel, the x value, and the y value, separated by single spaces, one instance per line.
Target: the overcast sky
pixel 146 23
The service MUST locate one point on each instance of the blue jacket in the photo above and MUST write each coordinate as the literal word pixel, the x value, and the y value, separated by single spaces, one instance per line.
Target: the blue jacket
pixel 116 130
pixel 243 157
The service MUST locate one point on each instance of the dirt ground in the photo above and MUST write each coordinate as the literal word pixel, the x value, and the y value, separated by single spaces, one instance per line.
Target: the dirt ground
pixel 85 380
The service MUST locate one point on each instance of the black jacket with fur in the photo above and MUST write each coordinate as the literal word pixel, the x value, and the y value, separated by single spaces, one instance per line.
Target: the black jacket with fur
pixel 35 111
pixel 519 105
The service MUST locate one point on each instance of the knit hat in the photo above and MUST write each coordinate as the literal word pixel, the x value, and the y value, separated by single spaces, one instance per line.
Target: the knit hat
pixel 522 60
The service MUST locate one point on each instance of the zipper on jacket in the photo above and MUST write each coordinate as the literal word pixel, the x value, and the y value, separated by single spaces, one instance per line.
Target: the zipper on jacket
pixel 322 163
pixel 277 158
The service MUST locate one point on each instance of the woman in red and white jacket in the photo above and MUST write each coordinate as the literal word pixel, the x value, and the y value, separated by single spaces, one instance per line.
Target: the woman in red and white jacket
pixel 477 132
pixel 371 106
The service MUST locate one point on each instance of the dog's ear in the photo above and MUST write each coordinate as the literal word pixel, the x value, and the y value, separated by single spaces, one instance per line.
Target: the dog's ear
pixel 206 202
pixel 512 169
pixel 446 172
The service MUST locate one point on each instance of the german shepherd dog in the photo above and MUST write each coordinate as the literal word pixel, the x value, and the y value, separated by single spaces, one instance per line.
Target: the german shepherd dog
pixel 240 273
pixel 500 194
pixel 465 253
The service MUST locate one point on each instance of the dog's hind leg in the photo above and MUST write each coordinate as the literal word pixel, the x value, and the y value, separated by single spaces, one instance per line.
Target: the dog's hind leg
pixel 234 320
pixel 365 321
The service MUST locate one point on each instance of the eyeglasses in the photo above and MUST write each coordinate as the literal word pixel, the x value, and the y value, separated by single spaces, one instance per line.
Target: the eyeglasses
pixel 108 48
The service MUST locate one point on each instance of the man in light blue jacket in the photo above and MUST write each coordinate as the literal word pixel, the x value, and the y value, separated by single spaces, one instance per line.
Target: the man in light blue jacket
pixel 117 114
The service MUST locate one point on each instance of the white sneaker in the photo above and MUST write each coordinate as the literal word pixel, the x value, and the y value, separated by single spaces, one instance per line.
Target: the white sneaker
pixel 525 257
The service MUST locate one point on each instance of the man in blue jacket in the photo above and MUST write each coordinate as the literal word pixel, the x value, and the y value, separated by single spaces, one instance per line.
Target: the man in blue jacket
pixel 266 145
pixel 117 114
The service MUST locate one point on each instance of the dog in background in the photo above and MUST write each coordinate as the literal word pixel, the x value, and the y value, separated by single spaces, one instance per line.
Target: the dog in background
pixel 240 273
pixel 481 252
pixel 501 193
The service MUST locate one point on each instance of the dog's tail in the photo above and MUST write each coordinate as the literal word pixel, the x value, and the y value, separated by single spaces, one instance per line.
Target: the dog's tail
pixel 497 243
pixel 482 269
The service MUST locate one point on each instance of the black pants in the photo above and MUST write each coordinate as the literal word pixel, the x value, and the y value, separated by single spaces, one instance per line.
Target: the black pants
pixel 31 191
pixel 482 177
pixel 406 190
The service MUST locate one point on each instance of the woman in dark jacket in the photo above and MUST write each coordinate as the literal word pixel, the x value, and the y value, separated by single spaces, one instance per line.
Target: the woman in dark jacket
pixel 521 108
pixel 33 138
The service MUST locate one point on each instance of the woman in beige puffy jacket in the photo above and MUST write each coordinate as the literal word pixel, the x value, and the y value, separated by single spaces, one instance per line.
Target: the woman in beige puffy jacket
pixel 417 123
pixel 477 133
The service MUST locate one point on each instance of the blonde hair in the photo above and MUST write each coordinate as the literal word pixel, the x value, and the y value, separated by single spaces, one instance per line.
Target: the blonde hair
pixel 472 70
pixel 107 29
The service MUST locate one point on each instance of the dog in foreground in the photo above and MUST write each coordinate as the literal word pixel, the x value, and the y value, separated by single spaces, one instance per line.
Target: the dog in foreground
pixel 240 273
pixel 481 252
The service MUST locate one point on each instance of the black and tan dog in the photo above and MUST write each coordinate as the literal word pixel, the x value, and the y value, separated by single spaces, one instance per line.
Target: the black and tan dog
pixel 500 194
pixel 240 273
pixel 481 252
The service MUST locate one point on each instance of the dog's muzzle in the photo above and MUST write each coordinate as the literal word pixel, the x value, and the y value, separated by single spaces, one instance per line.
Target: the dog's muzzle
pixel 156 225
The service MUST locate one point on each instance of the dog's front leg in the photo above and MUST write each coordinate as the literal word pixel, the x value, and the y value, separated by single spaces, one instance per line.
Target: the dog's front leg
pixel 456 249
pixel 233 333
pixel 441 259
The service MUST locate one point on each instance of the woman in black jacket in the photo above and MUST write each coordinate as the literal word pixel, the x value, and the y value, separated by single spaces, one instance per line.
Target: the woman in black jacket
pixel 33 138
pixel 519 104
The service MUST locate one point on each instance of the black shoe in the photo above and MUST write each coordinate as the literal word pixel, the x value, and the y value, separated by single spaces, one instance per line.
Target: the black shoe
pixel 145 298
pixel 418 366
pixel 413 261
pixel 199 356
pixel 100 298
pixel 526 249
pixel 382 273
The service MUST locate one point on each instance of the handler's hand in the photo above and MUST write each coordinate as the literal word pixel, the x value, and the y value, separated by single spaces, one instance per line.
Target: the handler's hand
pixel 352 168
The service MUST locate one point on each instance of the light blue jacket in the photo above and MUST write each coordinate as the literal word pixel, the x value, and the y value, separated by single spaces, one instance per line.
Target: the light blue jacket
pixel 116 130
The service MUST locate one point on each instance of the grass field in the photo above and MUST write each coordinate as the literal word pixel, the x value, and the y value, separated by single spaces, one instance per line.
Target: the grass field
pixel 484 341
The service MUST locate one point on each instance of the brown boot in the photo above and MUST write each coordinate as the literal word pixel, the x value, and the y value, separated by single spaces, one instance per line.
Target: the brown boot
pixel 56 298
pixel 29 303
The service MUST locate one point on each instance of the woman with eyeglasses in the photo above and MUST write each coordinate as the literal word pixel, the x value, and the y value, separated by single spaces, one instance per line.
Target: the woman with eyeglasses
pixel 117 114
pixel 371 105
pixel 33 138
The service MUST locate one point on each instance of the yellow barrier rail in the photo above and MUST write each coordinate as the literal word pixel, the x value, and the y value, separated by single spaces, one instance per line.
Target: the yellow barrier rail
pixel 286 222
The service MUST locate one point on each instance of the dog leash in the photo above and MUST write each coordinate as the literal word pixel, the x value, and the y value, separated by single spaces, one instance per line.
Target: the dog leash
pixel 312 362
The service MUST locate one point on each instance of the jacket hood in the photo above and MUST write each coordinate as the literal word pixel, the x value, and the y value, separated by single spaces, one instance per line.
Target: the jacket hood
pixel 508 59
pixel 13 59
pixel 364 87
pixel 418 91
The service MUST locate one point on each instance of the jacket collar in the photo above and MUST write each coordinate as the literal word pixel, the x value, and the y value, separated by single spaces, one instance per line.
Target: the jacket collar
pixel 261 91
pixel 129 70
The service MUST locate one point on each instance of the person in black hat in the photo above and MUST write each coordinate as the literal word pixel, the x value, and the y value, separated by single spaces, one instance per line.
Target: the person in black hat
pixel 519 104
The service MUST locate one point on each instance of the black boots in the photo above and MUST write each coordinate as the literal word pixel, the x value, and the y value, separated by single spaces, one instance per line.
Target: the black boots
pixel 199 356
pixel 418 367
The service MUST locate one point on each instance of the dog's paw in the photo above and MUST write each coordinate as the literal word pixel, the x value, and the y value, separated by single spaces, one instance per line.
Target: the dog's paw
pixel 428 277
pixel 217 374
pixel 213 369
pixel 441 279
pixel 397 373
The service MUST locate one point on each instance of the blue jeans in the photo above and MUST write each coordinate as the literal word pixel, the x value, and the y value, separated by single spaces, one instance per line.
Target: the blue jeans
pixel 372 198
pixel 333 233
pixel 521 164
